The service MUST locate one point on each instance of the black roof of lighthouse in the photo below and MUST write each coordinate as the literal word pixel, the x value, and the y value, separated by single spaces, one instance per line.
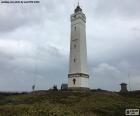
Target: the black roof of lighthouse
pixel 78 8
pixel 123 84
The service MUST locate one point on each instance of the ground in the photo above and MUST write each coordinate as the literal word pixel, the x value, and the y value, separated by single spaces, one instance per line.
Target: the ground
pixel 68 103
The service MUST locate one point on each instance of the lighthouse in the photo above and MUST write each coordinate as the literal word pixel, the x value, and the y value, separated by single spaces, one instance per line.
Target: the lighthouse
pixel 78 77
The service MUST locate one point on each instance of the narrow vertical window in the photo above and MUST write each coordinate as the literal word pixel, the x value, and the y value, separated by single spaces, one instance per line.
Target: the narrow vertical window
pixel 75 28
pixel 74 45
pixel 74 60
pixel 74 80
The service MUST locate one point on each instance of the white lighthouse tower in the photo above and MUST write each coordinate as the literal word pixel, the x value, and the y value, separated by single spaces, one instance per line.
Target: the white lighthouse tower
pixel 78 77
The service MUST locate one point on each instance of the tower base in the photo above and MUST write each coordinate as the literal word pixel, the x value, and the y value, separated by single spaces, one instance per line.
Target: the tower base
pixel 78 89
pixel 78 81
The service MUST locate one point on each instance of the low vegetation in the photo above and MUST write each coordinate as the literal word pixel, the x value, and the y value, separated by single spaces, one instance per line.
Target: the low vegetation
pixel 67 103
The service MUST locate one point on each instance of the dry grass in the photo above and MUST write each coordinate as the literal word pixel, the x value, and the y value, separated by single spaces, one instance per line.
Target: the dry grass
pixel 61 103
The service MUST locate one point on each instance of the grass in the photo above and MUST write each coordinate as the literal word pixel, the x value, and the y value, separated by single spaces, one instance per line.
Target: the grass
pixel 67 103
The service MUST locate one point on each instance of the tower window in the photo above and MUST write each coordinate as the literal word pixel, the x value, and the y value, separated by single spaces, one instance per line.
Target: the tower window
pixel 74 80
pixel 75 28
pixel 74 60
pixel 74 45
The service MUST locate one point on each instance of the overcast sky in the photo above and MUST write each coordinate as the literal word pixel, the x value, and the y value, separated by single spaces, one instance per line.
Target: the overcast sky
pixel 35 42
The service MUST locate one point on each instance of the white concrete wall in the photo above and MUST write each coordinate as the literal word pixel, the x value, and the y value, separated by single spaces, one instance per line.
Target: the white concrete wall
pixel 80 82
pixel 78 38
pixel 79 53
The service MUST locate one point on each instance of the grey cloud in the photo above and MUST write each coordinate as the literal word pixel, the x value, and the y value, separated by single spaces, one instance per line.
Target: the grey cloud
pixel 125 8
pixel 16 16
pixel 37 66
pixel 39 44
